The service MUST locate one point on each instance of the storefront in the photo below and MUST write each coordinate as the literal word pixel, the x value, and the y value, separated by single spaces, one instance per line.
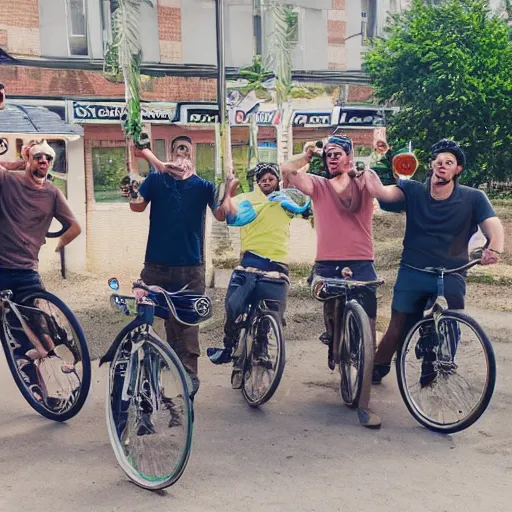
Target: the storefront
pixel 362 123
pixel 108 217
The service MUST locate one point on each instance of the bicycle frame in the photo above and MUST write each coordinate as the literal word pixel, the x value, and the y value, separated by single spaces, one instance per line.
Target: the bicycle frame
pixel 7 304
pixel 344 290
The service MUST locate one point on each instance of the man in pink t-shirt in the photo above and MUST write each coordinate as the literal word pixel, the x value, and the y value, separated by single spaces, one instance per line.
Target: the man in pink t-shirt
pixel 343 210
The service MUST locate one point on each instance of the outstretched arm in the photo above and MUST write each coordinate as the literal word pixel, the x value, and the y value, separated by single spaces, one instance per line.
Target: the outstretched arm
pixel 18 165
pixel 294 171
pixel 178 169
pixel 386 194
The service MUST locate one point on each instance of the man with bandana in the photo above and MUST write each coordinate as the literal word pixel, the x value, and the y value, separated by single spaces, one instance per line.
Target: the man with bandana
pixel 343 210
pixel 442 216
pixel 264 240
pixel 28 204
pixel 175 248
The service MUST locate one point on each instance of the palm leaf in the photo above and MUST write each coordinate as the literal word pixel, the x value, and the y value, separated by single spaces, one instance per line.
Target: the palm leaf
pixel 124 57
pixel 279 54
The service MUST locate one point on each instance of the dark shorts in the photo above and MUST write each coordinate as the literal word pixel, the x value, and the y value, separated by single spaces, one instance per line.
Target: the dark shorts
pixel 183 339
pixel 413 289
pixel 20 281
pixel 361 271
pixel 245 288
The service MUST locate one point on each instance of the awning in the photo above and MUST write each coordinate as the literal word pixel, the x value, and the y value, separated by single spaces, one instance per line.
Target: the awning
pixel 26 120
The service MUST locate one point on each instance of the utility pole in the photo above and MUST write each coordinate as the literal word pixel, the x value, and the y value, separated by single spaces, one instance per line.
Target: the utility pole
pixel 223 146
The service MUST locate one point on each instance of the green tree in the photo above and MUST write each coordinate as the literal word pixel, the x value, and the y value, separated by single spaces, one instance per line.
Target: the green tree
pixel 448 66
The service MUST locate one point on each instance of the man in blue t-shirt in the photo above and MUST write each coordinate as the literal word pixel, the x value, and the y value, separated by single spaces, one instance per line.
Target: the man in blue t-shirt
pixel 442 215
pixel 175 247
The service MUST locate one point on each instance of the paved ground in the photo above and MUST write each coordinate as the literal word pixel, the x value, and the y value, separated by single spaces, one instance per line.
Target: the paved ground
pixel 303 451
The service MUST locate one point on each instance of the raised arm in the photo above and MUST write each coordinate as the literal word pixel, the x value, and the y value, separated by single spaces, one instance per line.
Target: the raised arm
pixel 294 171
pixel 227 207
pixel 386 194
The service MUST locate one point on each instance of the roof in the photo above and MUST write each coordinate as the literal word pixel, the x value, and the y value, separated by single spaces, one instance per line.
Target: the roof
pixel 27 119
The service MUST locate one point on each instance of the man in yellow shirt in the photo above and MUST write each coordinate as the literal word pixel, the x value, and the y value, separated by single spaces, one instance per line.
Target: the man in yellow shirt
pixel 265 237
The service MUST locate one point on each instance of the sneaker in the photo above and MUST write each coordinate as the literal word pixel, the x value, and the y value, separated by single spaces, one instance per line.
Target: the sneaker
pixel 236 375
pixel 324 338
pixel 195 383
pixel 379 372
pixel 219 355
pixel 369 419
pixel 175 420
pixel 145 426
pixel 260 355
pixel 330 358
pixel 428 373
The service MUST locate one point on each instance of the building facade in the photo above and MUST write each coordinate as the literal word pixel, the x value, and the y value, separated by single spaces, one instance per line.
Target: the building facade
pixel 59 46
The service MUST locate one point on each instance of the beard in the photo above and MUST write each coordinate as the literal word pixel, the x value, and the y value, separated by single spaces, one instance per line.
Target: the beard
pixel 39 176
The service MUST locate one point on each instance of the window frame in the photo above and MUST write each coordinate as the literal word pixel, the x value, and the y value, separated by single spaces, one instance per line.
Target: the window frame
pixel 69 29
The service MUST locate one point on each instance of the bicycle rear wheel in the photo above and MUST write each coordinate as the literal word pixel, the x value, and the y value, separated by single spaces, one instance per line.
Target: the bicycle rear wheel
pixel 446 377
pixel 55 386
pixel 264 363
pixel 149 411
pixel 356 353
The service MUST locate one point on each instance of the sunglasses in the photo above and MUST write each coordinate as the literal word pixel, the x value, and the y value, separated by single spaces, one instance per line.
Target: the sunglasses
pixel 39 156
pixel 334 155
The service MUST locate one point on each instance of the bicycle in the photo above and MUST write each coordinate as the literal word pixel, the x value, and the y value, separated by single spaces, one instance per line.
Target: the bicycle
pixel 352 344
pixel 259 354
pixel 46 350
pixel 439 366
pixel 150 411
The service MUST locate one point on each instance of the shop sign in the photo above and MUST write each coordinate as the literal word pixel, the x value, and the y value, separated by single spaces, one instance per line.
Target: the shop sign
pixel 112 112
pixel 312 119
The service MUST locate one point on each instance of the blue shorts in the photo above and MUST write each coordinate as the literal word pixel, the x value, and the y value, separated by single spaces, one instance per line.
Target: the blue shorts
pixel 20 281
pixel 413 289
pixel 361 271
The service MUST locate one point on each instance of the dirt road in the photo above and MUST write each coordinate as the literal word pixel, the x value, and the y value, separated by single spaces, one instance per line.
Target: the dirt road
pixel 303 451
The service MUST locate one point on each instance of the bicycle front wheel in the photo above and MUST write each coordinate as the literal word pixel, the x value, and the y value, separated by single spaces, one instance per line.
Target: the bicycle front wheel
pixel 55 386
pixel 264 364
pixel 447 375
pixel 356 353
pixel 149 411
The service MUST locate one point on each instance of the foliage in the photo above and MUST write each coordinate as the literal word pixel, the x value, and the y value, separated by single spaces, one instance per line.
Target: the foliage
pixel 124 57
pixel 279 54
pixel 448 65
pixel 108 168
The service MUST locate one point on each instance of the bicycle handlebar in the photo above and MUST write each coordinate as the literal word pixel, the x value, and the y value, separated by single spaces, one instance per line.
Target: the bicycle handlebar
pixel 442 270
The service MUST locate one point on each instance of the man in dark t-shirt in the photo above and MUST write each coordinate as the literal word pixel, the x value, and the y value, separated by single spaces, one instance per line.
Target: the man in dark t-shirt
pixel 175 248
pixel 442 215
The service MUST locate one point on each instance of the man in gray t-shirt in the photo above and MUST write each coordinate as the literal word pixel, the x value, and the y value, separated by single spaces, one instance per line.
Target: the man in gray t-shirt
pixel 28 203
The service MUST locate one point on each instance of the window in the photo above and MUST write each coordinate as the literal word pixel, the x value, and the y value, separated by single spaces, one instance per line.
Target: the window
pixel 77 27
pixel 368 20
pixel 109 168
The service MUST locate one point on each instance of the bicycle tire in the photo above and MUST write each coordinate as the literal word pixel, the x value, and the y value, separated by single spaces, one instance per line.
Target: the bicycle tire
pixel 84 353
pixel 486 394
pixel 275 322
pixel 127 461
pixel 349 395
